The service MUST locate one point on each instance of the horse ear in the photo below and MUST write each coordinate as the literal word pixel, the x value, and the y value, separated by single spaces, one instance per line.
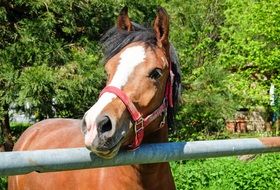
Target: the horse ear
pixel 124 22
pixel 161 28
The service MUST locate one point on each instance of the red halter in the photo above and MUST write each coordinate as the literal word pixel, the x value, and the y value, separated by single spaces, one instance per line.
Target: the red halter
pixel 139 122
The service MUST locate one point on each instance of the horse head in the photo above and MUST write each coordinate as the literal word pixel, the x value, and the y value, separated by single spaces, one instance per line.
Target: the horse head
pixel 140 86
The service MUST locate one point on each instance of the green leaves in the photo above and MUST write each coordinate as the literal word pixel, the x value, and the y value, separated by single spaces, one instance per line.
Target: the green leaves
pixel 229 54
pixel 79 83
pixel 3 183
pixel 47 66
pixel 49 53
pixel 250 48
pixel 37 89
pixel 195 32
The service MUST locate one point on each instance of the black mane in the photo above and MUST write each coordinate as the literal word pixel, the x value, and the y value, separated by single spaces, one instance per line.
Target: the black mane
pixel 176 87
pixel 115 40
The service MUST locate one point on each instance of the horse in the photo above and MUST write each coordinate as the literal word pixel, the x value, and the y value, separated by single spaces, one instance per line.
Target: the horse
pixel 136 106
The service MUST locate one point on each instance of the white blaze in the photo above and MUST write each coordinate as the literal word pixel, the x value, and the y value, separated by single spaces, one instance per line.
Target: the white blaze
pixel 129 59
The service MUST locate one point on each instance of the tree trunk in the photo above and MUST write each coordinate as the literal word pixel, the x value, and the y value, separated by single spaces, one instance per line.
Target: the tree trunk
pixel 6 130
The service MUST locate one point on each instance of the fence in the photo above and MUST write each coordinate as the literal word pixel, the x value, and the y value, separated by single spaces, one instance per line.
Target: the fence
pixel 21 162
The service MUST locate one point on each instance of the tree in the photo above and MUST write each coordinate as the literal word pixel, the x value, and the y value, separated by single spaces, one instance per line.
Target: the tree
pixel 50 57
pixel 196 33
pixel 250 49
pixel 44 47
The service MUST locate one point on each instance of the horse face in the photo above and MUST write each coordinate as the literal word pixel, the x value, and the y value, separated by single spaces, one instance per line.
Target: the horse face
pixel 141 71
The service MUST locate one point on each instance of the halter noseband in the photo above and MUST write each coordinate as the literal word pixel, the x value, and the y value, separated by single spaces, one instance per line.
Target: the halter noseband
pixel 139 122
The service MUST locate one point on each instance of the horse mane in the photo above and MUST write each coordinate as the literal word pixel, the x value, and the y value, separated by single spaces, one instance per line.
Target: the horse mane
pixel 176 87
pixel 114 40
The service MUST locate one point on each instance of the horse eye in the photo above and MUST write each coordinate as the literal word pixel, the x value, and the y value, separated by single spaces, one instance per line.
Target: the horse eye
pixel 155 74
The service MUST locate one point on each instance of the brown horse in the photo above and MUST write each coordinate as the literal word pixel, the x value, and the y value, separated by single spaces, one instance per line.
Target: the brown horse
pixel 142 89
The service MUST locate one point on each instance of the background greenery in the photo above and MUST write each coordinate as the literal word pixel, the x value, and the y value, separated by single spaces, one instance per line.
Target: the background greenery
pixel 50 56
pixel 228 173
pixel 50 64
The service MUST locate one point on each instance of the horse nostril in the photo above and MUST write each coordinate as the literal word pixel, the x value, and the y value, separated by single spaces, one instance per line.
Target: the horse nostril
pixel 105 125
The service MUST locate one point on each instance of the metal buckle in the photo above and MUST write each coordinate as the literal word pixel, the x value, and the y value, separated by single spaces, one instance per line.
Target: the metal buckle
pixel 140 122
pixel 162 123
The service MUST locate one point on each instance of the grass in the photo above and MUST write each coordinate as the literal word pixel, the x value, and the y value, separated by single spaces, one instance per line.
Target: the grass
pixel 3 183
pixel 228 173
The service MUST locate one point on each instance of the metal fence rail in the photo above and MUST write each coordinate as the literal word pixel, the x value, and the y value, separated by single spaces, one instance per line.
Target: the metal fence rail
pixel 21 162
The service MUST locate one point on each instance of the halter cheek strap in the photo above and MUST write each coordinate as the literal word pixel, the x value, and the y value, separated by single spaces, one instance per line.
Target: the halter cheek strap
pixel 139 122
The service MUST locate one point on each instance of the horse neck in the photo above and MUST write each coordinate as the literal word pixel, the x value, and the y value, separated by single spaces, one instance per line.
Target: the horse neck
pixel 156 134
pixel 157 172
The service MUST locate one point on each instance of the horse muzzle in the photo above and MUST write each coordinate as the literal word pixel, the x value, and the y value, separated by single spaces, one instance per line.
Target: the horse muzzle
pixel 102 137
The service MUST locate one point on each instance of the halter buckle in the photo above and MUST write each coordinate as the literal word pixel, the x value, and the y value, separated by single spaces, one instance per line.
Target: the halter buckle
pixel 139 122
pixel 162 123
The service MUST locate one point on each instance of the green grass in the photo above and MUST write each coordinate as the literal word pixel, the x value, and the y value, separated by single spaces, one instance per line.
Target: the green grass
pixel 229 173
pixel 3 183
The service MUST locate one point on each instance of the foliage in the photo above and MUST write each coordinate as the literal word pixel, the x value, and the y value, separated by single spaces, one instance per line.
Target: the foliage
pixel 228 173
pixel 195 31
pixel 250 49
pixel 17 128
pixel 3 183
pixel 49 53
pixel 50 40
pixel 229 52
pixel 50 56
